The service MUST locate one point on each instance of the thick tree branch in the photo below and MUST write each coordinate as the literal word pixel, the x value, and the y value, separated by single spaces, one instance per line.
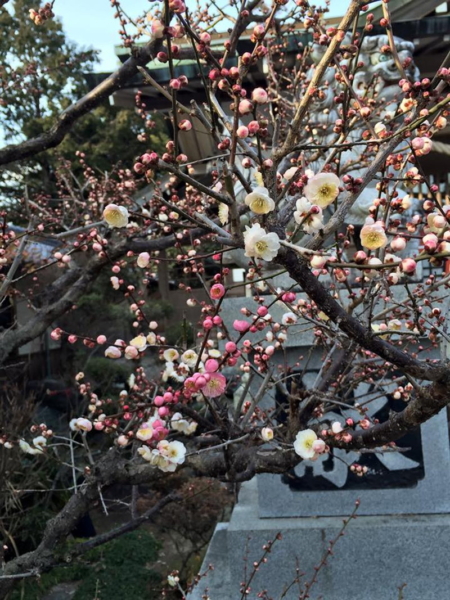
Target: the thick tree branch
pixel 53 137
pixel 299 271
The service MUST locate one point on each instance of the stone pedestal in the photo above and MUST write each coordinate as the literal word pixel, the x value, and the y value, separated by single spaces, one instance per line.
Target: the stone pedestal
pixel 402 533
pixel 376 556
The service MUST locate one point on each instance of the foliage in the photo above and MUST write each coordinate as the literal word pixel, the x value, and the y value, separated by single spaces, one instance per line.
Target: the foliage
pixel 119 569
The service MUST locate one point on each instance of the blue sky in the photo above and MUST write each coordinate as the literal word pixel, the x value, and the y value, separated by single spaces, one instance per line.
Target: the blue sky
pixel 90 23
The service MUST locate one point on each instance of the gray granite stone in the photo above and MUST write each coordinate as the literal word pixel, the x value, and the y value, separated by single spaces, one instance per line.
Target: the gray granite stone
pixel 376 556
pixel 430 495
pixel 219 579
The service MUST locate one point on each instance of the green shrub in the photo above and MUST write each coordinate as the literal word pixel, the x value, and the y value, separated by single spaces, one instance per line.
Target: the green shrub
pixel 119 570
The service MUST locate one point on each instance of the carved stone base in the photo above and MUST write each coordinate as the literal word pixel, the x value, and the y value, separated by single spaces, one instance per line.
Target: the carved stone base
pixel 375 557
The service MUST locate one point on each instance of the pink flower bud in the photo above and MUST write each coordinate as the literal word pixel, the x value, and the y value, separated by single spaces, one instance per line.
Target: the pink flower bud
pixel 242 132
pixel 360 257
pixel 263 310
pixel 72 339
pixel 258 31
pixel 319 446
pixel 175 84
pixel 398 244
pixel 101 339
pixel 200 382
pixel 408 266
pixel 430 242
pixel 208 324
pixel 241 326
pixel 163 411
pixel 253 127
pixel 211 365
pixel 185 125
pixel 158 401
pixel 230 347
pixel 131 352
pixel 417 143
pixel 56 334
pixel 245 106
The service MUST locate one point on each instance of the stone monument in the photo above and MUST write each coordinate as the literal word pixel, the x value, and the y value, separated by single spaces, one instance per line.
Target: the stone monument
pixel 401 535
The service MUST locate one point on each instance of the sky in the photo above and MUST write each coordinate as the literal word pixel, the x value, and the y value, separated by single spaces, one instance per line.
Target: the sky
pixel 90 23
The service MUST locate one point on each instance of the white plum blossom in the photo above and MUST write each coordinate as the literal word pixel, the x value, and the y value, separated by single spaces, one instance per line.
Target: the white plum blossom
pixel 40 442
pixel 303 445
pixel 289 318
pixel 115 282
pixel 113 352
pixel 178 423
pixel 80 424
pixel 259 201
pixel 267 434
pixel 174 452
pixel 173 580
pixel 151 338
pixel 373 235
pixel 25 447
pixel 166 456
pixel 145 432
pixel 143 259
pixel 260 244
pixel 308 215
pixel 289 174
pixel 116 216
pixel 189 357
pixel 170 355
pixel 336 427
pixel 139 342
pixel 322 189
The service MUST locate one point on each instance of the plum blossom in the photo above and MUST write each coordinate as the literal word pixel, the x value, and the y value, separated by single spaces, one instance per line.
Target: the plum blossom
pixel 115 282
pixel 373 235
pixel 322 189
pixel 215 385
pixel 145 432
pixel 156 28
pixel 260 244
pixel 267 434
pixel 303 445
pixel 173 580
pixel 336 427
pixel 223 213
pixel 170 355
pixel 289 174
pixel 217 291
pixel 143 260
pixel 289 318
pixel 139 342
pixel 131 352
pixel 25 447
pixel 116 216
pixel 178 423
pixel 40 442
pixel 113 352
pixel 310 216
pixel 80 424
pixel 260 96
pixel 189 357
pixel 259 201
pixel 166 456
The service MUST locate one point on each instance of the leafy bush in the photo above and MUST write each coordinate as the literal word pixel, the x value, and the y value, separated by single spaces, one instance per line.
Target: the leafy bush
pixel 116 571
